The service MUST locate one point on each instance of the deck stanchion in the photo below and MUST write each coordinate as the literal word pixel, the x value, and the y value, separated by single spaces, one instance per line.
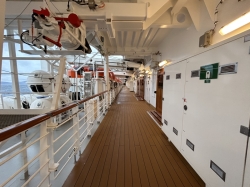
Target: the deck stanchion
pixel 52 165
pixel 24 155
pixel 76 130
pixel 43 158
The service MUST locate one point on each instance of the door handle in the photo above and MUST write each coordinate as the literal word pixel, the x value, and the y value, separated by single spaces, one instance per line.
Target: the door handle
pixel 185 107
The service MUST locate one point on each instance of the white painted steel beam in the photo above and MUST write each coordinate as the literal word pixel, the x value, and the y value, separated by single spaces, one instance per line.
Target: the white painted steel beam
pixel 119 11
pixel 157 15
pixel 57 90
pixel 14 74
pixel 30 58
pixel 2 22
pixel 106 72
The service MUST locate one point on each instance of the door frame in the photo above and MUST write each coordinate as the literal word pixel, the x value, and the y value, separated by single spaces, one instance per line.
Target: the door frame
pixel 159 72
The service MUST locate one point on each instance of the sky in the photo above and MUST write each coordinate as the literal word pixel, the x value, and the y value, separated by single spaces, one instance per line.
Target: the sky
pixel 24 66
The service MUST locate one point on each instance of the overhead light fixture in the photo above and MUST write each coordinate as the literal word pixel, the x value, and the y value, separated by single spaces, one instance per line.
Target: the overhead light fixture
pixel 147 71
pixel 141 67
pixel 241 21
pixel 163 63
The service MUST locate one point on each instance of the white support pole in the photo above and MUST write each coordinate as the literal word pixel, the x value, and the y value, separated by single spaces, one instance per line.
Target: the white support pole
pixel 106 72
pixel 43 158
pixel 14 73
pixel 24 155
pixel 2 23
pixel 76 130
pixel 57 91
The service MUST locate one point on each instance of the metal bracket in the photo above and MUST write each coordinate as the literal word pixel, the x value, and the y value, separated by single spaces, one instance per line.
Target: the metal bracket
pixel 53 167
pixel 244 130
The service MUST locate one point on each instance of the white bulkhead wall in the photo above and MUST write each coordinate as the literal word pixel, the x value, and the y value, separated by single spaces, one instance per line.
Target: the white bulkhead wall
pixel 216 135
pixel 184 43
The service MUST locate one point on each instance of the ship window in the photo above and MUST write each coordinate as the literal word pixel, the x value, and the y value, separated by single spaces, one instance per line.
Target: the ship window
pixel 40 88
pixel 33 88
pixel 37 88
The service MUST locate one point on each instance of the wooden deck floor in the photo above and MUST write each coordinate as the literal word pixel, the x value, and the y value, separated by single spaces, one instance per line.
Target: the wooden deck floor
pixel 129 149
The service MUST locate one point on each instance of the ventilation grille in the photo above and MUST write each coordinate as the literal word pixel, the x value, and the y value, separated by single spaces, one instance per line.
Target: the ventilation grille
pixel 218 170
pixel 228 69
pixel 190 144
pixel 195 73
pixel 175 131
pixel 178 76
pixel 167 77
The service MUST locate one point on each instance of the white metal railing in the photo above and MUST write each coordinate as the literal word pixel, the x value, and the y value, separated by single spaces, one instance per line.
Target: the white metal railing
pixel 40 155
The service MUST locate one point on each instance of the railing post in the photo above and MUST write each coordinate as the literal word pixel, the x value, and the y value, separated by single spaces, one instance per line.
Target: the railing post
pixel 99 107
pixel 52 165
pixel 1 96
pixel 24 155
pixel 89 116
pixel 76 130
pixel 110 98
pixel 43 158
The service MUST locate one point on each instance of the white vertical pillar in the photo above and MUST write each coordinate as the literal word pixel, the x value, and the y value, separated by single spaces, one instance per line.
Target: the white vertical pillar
pixel 14 72
pixel 106 71
pixel 43 158
pixel 57 90
pixel 2 23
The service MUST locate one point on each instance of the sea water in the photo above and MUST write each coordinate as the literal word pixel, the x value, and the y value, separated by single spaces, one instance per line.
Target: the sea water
pixel 6 88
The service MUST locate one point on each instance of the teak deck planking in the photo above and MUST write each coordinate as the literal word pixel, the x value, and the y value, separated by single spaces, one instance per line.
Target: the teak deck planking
pixel 130 150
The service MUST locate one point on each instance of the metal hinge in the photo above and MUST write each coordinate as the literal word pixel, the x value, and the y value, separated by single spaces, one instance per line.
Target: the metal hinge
pixel 244 130
pixel 162 99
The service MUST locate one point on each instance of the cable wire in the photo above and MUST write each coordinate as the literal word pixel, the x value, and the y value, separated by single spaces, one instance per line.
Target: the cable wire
pixel 216 15
pixel 18 15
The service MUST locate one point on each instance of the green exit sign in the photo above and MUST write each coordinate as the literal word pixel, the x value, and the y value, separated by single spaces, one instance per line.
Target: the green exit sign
pixel 209 71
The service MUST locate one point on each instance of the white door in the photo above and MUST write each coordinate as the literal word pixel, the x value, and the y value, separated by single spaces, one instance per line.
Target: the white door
pixel 173 94
pixel 215 112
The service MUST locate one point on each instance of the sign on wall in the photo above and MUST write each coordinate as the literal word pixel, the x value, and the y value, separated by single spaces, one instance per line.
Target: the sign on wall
pixel 209 72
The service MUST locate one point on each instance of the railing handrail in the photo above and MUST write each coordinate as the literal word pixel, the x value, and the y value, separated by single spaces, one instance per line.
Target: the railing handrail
pixel 26 124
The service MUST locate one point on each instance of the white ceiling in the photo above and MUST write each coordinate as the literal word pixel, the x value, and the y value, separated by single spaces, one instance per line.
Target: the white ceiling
pixel 135 35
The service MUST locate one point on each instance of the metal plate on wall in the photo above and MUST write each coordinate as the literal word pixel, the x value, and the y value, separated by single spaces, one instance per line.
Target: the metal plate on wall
pixel 218 170
pixel 190 144
pixel 175 131
pixel 228 69
pixel 195 73
pixel 178 76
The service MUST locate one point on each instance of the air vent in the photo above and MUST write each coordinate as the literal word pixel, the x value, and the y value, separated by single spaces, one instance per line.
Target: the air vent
pixel 175 131
pixel 195 73
pixel 167 77
pixel 218 170
pixel 165 121
pixel 178 76
pixel 190 144
pixel 228 69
